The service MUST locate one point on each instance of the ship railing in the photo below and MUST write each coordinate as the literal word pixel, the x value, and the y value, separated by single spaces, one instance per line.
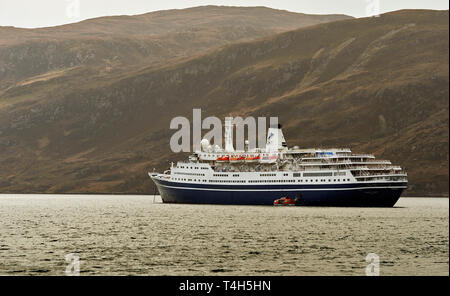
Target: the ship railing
pixel 325 163
pixel 331 157
pixel 373 161
pixel 362 156
pixel 377 160
pixel 347 163
pixel 377 167
pixel 383 178
pixel 366 175
pixel 333 149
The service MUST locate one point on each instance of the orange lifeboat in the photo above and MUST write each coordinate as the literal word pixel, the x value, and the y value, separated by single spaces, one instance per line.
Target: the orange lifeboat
pixel 237 158
pixel 284 201
pixel 223 158
pixel 252 158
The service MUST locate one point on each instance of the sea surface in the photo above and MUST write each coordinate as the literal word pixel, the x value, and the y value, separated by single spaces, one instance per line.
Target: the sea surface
pixel 135 235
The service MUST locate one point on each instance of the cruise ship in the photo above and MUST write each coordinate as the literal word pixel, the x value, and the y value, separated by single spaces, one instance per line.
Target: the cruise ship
pixel 259 176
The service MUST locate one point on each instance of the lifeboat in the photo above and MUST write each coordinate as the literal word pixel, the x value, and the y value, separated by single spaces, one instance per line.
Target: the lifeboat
pixel 252 158
pixel 223 158
pixel 284 201
pixel 237 158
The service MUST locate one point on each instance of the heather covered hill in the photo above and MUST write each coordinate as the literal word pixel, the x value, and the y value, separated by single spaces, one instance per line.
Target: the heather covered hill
pixel 376 85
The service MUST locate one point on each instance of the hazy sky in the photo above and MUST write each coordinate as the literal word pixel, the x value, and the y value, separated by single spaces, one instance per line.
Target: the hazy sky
pixel 41 13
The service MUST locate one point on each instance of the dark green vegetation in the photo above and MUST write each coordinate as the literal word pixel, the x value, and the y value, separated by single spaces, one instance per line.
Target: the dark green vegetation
pixel 86 107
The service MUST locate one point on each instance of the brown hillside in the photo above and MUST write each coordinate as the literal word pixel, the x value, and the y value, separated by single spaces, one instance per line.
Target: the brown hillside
pixel 109 44
pixel 376 85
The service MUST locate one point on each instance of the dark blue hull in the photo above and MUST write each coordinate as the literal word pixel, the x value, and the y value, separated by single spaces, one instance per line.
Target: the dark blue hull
pixel 341 195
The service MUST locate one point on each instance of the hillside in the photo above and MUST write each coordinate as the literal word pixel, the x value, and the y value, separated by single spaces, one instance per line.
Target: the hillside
pixel 376 85
pixel 111 44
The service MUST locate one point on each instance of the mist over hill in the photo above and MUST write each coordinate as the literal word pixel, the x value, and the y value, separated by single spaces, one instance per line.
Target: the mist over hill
pixel 86 107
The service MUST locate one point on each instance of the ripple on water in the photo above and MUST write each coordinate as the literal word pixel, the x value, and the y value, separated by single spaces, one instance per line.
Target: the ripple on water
pixel 129 235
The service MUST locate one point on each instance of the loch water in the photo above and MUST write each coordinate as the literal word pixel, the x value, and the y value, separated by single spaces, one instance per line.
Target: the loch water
pixel 139 235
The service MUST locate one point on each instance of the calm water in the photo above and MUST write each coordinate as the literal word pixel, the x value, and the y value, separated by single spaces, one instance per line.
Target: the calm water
pixel 131 235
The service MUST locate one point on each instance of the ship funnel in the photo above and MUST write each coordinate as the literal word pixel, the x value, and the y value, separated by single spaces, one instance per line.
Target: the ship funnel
pixel 275 139
pixel 229 134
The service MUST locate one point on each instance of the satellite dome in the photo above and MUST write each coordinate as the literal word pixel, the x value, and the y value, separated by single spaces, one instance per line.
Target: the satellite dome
pixel 204 143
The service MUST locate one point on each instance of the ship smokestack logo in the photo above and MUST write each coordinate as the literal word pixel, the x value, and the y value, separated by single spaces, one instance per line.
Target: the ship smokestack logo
pixel 256 133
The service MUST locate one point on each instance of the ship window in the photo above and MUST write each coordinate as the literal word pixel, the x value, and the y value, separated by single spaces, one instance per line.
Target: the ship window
pixel 317 174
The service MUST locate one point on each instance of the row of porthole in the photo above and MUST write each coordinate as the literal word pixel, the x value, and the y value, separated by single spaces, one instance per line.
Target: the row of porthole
pixel 271 181
pixel 261 181
pixel 190 174
pixel 323 180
